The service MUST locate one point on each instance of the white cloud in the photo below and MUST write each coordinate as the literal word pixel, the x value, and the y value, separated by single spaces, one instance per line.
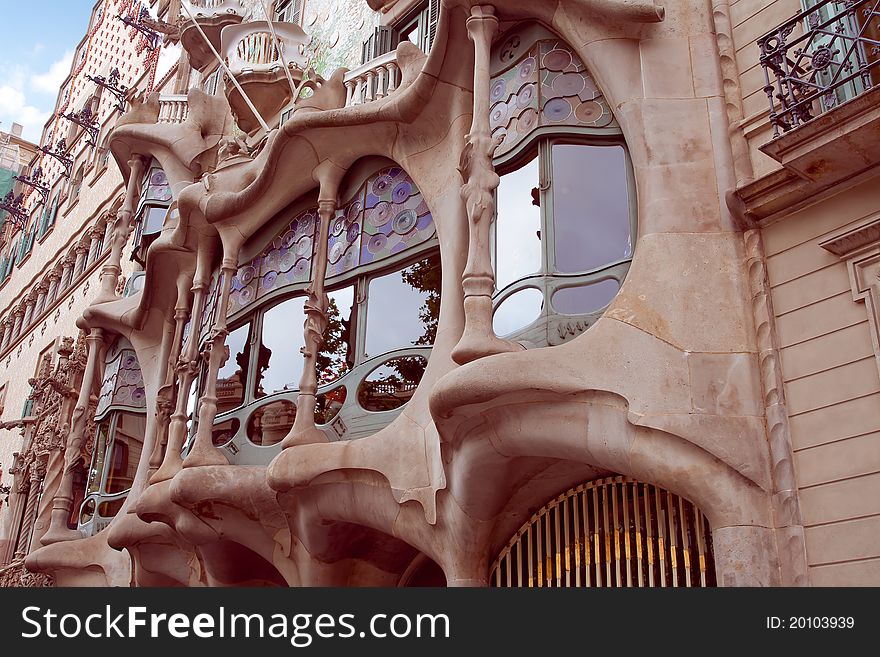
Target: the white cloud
pixel 28 98
pixel 50 81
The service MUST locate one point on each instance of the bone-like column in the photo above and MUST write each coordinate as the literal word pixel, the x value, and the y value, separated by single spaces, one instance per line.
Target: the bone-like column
pixel 37 473
pixel 171 348
pixel 122 228
pixel 187 368
pixel 203 451
pixel 62 503
pixel 478 193
pixel 304 430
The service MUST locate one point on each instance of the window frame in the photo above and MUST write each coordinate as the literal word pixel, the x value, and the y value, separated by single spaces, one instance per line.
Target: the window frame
pixel 547 280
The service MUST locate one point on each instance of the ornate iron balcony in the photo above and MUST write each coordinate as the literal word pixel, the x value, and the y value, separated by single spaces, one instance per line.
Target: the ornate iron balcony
pixel 825 55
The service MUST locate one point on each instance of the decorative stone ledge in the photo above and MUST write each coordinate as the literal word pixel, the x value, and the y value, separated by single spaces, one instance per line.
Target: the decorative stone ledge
pixel 835 149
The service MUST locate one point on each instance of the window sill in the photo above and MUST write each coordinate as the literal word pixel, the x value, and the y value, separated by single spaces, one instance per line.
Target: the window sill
pixel 98 174
pixel 70 206
pixel 42 238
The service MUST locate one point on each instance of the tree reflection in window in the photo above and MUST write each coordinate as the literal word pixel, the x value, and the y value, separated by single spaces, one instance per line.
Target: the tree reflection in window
pixel 404 307
pixel 392 384
pixel 280 364
pixel 128 442
pixel 337 354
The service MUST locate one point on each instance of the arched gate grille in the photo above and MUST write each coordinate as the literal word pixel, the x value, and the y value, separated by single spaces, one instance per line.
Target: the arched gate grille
pixel 610 532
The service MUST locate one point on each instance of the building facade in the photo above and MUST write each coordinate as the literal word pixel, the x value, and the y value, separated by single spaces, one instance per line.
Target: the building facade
pixel 407 293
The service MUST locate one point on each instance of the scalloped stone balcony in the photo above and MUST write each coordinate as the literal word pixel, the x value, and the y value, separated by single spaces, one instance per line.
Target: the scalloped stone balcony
pixel 258 66
pixel 173 108
pixel 212 16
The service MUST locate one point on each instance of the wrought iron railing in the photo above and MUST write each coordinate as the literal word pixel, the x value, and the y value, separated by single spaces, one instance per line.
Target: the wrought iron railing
pixel 825 55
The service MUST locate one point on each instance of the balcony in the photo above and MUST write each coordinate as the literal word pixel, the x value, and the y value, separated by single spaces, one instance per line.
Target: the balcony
pixel 371 81
pixel 173 108
pixel 821 58
pixel 212 16
pixel 822 70
pixel 259 67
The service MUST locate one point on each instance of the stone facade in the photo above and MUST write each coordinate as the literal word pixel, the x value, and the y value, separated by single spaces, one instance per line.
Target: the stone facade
pixel 576 309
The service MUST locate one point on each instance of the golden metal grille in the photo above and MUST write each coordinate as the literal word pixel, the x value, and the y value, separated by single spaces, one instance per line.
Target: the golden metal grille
pixel 610 532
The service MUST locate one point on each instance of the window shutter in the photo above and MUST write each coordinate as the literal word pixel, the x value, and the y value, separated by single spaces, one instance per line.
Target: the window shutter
pixel 382 41
pixel 429 31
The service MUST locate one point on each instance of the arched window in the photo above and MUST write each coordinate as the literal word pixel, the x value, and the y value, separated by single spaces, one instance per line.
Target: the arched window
pixel 120 424
pixel 383 284
pixel 566 211
pixel 611 532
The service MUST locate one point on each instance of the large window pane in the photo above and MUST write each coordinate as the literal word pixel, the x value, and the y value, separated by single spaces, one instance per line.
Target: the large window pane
pixel 518 227
pixel 232 377
pixel 280 362
pixel 518 311
pixel 590 206
pixel 128 442
pixel 404 307
pixel 337 353
pixel 586 298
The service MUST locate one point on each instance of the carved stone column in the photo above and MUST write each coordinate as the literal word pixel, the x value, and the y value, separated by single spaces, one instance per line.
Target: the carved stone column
pixel 30 304
pixel 203 451
pixel 121 231
pixel 54 279
pixel 18 316
pixel 42 291
pixel 82 259
pixel 37 472
pixel 187 369
pixel 478 193
pixel 108 230
pixel 63 501
pixel 96 233
pixel 304 430
pixel 7 333
pixel 66 273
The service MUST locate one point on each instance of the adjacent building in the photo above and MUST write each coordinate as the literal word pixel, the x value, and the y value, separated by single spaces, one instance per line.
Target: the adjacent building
pixel 408 293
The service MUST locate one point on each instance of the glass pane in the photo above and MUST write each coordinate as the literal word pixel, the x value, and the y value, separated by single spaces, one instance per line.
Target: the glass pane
pixel 518 311
pixel 87 511
pixel 392 384
pixel 585 299
pixel 98 452
pixel 328 404
pixel 153 219
pixel 337 353
pixel 590 206
pixel 233 374
pixel 270 423
pixel 404 307
pixel 224 431
pixel 110 509
pixel 128 441
pixel 518 227
pixel 280 364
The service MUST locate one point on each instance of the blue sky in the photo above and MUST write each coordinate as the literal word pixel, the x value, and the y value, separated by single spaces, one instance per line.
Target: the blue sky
pixel 37 40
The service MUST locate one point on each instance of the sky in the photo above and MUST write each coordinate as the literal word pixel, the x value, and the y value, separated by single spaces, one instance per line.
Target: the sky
pixel 37 42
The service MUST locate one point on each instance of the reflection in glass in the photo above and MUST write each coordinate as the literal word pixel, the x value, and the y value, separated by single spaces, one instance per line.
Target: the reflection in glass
pixel 280 365
pixel 392 384
pixel 590 206
pixel 128 442
pixel 518 311
pixel 110 509
pixel 232 376
pixel 270 423
pixel 328 405
pixel 337 353
pixel 102 432
pixel 518 227
pixel 87 512
pixel 404 307
pixel 225 431
pixel 586 298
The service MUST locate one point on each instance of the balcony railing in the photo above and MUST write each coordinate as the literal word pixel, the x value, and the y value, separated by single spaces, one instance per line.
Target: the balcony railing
pixel 251 46
pixel 173 108
pixel 826 55
pixel 212 7
pixel 375 79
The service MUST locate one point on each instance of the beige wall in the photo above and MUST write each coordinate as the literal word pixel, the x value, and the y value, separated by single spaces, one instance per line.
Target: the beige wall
pixel 832 387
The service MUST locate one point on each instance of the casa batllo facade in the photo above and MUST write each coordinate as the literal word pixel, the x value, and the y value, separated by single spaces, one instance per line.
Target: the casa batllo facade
pixel 401 293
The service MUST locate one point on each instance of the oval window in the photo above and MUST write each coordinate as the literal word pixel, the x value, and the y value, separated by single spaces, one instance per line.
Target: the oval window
pixel 328 405
pixel 225 431
pixel 518 311
pixel 586 298
pixel 87 512
pixel 111 508
pixel 268 424
pixel 392 384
